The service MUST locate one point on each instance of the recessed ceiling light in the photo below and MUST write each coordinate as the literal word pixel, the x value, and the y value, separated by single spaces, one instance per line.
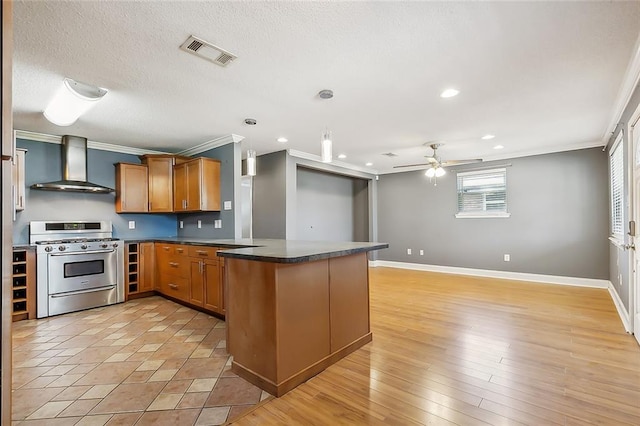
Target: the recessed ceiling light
pixel 369 164
pixel 283 140
pixel 342 156
pixel 498 147
pixel 449 93
pixel 487 137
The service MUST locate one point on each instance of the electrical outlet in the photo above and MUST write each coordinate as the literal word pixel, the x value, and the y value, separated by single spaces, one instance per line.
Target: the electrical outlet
pixel 199 224
pixel 217 223
pixel 507 258
pixel 181 224
pixel 132 224
pixel 227 205
pixel 408 251
pixel 421 252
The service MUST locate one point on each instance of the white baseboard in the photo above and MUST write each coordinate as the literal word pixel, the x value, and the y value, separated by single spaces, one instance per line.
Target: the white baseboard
pixel 622 312
pixel 517 276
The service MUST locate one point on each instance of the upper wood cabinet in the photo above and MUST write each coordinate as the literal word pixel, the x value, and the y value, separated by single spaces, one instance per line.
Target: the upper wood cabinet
pixel 160 172
pixel 131 188
pixel 196 185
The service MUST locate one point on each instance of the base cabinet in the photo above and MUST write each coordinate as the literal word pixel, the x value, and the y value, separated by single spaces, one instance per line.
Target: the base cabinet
pixel 23 279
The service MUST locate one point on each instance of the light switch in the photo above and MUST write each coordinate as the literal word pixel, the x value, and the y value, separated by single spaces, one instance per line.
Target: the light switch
pixel 132 224
pixel 199 224
pixel 227 205
pixel 217 223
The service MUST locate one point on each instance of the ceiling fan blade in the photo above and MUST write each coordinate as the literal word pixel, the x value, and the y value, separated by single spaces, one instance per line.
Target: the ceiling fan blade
pixel 413 165
pixel 460 162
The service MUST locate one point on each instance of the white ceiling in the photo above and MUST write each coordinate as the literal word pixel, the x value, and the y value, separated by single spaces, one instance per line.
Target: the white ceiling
pixel 541 76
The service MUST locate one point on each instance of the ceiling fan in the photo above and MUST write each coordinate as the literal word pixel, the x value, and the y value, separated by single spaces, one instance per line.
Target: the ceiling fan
pixel 435 165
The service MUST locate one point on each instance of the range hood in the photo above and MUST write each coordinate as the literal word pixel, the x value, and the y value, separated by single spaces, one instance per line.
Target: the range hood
pixel 74 169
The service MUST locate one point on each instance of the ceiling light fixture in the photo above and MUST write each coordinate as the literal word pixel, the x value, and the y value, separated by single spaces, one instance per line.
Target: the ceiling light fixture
pixel 342 156
pixel 487 137
pixel 449 93
pixel 283 140
pixel 498 147
pixel 326 144
pixel 251 154
pixel 71 101
pixel 369 164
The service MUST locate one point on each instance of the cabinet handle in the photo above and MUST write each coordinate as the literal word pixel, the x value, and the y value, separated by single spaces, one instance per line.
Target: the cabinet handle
pixel 166 248
pixel 149 205
pixel 179 250
pixel 173 264
pixel 201 267
pixel 184 204
pixel 173 286
pixel 202 252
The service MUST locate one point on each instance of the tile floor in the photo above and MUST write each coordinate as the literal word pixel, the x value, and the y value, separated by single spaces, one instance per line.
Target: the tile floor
pixel 145 362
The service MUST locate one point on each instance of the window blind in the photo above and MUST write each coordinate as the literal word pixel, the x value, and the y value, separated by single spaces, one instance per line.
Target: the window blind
pixel 617 194
pixel 483 192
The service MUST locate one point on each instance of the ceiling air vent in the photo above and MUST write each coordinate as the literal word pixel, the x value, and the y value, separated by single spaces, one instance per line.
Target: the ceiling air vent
pixel 390 154
pixel 208 51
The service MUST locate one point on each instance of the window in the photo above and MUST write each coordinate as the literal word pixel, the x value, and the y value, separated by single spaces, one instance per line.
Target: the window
pixel 482 194
pixel 617 192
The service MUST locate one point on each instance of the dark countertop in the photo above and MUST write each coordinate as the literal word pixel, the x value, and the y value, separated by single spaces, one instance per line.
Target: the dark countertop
pixel 24 247
pixel 277 251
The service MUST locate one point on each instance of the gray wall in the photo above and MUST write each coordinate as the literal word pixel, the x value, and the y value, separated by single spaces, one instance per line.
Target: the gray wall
pixel 619 259
pixel 558 223
pixel 269 196
pixel 42 164
pixel 330 207
pixel 226 154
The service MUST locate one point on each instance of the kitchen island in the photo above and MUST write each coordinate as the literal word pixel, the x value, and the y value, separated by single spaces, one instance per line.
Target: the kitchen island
pixel 294 308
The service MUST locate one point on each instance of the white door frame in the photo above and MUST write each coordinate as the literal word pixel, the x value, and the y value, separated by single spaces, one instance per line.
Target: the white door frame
pixel 634 255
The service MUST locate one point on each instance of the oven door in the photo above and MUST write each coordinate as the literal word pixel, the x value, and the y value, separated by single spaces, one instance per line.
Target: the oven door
pixel 69 272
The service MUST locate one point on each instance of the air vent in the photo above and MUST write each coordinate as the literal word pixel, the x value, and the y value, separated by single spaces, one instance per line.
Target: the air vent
pixel 207 51
pixel 390 154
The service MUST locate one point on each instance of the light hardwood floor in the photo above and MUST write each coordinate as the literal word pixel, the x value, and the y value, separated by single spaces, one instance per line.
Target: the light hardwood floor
pixel 468 351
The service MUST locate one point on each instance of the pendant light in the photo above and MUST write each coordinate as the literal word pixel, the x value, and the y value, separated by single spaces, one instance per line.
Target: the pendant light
pixel 72 100
pixel 251 154
pixel 326 142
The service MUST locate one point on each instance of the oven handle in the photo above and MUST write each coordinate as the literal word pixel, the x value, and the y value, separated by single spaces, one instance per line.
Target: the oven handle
pixel 81 252
pixel 91 290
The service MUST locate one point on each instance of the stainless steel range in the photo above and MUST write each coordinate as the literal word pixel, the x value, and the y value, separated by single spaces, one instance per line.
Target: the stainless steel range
pixel 79 266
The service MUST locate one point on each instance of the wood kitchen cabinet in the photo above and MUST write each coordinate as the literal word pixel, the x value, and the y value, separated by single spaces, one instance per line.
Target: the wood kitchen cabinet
pixel 205 277
pixel 173 271
pixel 160 177
pixel 196 185
pixel 140 268
pixel 23 287
pixel 131 188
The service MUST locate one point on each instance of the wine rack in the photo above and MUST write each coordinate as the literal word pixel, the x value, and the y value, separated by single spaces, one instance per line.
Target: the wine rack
pixel 23 284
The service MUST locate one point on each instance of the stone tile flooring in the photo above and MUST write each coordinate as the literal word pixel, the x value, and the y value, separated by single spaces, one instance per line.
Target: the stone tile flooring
pixel 145 362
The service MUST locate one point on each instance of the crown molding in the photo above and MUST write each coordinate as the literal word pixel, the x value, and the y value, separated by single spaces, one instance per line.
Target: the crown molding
pixel 41 137
pixel 629 84
pixel 214 143
pixel 342 164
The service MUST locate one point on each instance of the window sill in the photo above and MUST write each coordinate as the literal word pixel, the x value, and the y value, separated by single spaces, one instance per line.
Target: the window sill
pixel 482 216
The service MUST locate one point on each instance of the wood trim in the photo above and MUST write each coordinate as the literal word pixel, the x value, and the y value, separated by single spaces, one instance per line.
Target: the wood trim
pixel 302 376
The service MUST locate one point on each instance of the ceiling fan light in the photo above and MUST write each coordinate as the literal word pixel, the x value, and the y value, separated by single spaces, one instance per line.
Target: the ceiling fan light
pixel 431 172
pixel 439 171
pixel 71 101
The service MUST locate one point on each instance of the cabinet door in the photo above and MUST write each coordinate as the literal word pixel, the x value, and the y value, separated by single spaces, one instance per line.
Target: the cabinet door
pixel 160 184
pixel 180 187
pixel 210 185
pixel 197 282
pixel 212 287
pixel 194 184
pixel 147 265
pixel 131 188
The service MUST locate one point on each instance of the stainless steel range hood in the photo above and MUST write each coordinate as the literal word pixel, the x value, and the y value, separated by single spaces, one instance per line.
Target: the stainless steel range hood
pixel 74 169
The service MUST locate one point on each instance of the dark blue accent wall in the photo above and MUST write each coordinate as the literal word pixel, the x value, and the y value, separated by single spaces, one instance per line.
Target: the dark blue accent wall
pixel 43 164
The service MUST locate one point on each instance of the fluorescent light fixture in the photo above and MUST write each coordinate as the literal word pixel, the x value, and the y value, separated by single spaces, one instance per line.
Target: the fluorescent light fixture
pixel 251 162
pixel 325 146
pixel 283 140
pixel 71 101
pixel 369 164
pixel 342 156
pixel 487 137
pixel 449 93
pixel 498 147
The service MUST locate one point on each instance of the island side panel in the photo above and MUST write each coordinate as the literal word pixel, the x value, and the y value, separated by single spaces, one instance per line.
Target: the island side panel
pixel 251 324
pixel 302 318
pixel 349 299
